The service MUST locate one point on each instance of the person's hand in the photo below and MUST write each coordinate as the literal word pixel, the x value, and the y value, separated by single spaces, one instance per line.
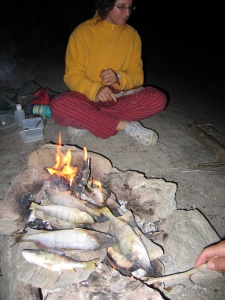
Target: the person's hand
pixel 109 77
pixel 106 94
pixel 214 256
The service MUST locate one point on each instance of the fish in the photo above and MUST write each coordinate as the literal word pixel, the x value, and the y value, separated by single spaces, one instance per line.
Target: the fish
pixel 63 198
pixel 54 261
pixel 129 243
pixel 65 213
pixel 119 259
pixel 99 195
pixel 69 239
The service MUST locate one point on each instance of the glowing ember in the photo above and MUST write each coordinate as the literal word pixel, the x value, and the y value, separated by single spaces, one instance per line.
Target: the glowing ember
pixel 97 183
pixel 96 188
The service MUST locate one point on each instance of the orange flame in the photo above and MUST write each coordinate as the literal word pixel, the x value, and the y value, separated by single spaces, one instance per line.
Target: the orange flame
pixel 97 183
pixel 85 153
pixel 99 186
pixel 62 167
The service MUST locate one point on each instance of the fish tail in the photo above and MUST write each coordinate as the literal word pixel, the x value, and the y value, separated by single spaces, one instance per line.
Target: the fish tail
pixel 34 206
pixel 96 212
pixel 91 264
pixel 19 237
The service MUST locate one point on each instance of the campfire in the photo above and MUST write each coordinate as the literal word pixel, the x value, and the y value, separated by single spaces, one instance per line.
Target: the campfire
pixel 81 224
pixel 78 213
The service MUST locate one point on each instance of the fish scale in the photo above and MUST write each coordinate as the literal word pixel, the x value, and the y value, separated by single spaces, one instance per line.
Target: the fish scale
pixel 54 261
pixel 67 239
pixel 129 243
pixel 68 214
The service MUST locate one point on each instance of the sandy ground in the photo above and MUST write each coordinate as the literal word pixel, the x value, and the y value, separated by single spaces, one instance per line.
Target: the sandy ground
pixel 193 97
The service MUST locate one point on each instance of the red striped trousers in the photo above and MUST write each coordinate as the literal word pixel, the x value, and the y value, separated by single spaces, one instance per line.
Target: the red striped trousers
pixel 101 118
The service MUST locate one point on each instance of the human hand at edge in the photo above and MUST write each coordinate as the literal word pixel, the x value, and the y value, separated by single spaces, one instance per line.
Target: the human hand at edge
pixel 109 77
pixel 106 94
pixel 214 256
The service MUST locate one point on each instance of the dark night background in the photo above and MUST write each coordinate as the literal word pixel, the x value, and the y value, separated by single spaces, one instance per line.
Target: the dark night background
pixel 188 33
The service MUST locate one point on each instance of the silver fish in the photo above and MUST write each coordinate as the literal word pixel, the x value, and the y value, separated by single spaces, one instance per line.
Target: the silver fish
pixel 54 261
pixel 129 243
pixel 66 239
pixel 120 259
pixel 63 198
pixel 68 214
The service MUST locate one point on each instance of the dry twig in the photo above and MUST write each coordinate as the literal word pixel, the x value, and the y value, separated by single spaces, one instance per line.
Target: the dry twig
pixel 189 273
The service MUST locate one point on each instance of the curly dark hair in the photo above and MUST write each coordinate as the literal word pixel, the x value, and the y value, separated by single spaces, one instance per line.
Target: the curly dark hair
pixel 103 7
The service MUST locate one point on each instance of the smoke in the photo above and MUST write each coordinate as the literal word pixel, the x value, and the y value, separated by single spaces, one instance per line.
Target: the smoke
pixel 15 67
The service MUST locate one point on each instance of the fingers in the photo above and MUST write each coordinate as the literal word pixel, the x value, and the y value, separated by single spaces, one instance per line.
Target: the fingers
pixel 205 255
pixel 106 94
pixel 108 77
pixel 107 97
pixel 214 256
pixel 217 264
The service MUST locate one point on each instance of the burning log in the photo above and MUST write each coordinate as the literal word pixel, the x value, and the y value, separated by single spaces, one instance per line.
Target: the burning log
pixel 57 183
pixel 79 184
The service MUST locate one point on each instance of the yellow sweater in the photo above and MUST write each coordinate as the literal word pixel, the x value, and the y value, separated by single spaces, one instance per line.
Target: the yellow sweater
pixel 94 46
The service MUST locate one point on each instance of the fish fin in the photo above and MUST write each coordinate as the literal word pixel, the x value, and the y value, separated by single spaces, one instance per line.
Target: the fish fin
pixel 57 251
pixel 96 213
pixel 34 206
pixel 40 245
pixel 18 237
pixel 91 264
pixel 105 210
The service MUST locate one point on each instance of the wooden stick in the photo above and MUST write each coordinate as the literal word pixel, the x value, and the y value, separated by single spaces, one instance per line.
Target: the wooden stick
pixel 79 185
pixel 213 167
pixel 209 142
pixel 188 273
